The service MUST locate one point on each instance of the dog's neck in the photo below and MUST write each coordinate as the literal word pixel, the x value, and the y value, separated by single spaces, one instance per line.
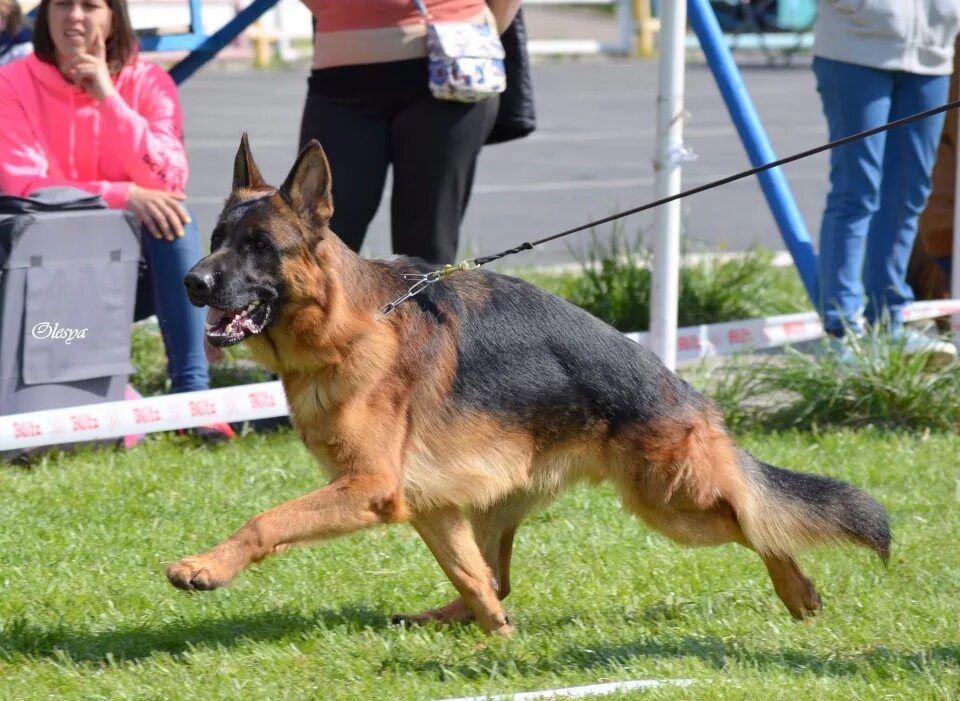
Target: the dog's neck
pixel 334 298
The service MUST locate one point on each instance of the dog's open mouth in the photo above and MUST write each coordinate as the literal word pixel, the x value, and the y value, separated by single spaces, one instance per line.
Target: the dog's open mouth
pixel 226 327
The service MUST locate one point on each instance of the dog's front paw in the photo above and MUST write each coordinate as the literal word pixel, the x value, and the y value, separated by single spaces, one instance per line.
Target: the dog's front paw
pixel 198 572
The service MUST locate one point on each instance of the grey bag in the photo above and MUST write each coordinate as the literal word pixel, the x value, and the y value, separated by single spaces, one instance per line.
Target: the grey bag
pixel 67 288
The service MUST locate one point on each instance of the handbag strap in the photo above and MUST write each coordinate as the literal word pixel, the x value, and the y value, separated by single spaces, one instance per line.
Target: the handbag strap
pixel 422 7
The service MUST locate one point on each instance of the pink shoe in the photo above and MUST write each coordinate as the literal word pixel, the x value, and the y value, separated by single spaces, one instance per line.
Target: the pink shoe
pixel 211 433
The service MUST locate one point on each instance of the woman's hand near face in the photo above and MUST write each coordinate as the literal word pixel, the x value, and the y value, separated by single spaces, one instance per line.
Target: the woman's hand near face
pixel 158 210
pixel 90 71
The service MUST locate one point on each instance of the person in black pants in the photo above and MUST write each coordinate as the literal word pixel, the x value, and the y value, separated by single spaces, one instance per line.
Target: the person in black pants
pixel 372 116
pixel 370 107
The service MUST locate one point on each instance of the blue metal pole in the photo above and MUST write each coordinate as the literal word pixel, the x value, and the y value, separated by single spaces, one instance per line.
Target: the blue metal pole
pixel 754 138
pixel 196 18
pixel 214 43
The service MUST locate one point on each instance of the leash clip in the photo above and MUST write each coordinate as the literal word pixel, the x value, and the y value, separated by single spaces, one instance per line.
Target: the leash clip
pixel 423 281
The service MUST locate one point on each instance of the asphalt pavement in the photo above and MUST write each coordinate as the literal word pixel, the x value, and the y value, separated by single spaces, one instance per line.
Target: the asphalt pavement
pixel 590 156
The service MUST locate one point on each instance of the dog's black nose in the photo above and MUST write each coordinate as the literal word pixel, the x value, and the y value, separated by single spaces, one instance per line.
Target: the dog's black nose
pixel 199 285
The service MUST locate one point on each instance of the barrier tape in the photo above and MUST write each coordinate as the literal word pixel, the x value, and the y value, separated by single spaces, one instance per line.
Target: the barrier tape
pixel 116 419
pixel 267 400
pixel 710 340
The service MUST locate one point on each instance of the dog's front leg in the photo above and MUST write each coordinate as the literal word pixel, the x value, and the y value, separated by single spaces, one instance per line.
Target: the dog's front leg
pixel 347 504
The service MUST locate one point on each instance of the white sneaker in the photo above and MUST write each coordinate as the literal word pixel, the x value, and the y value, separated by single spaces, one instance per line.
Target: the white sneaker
pixel 839 350
pixel 940 352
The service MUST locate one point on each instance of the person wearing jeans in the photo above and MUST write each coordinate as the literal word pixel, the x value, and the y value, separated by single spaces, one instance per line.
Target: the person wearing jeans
pixel 181 324
pixel 85 111
pixel 876 61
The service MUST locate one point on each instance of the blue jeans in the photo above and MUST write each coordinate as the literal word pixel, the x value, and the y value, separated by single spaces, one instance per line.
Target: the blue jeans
pixel 878 187
pixel 181 324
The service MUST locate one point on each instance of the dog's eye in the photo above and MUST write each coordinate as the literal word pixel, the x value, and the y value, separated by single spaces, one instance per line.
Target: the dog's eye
pixel 259 240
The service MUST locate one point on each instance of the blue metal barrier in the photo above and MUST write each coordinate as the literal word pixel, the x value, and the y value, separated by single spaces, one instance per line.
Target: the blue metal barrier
pixel 176 42
pixel 207 48
pixel 754 138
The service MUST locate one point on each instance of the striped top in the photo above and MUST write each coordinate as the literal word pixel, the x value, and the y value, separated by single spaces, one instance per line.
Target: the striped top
pixel 351 32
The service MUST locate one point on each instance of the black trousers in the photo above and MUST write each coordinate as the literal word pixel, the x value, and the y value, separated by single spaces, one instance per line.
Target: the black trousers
pixel 369 117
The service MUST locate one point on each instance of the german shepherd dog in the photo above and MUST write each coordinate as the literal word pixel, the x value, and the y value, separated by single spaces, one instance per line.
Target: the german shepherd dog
pixel 470 405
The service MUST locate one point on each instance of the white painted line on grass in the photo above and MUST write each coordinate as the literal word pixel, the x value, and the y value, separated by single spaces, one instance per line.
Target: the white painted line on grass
pixel 576 692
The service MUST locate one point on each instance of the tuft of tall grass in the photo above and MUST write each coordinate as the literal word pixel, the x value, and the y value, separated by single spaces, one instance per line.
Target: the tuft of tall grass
pixel 614 281
pixel 879 386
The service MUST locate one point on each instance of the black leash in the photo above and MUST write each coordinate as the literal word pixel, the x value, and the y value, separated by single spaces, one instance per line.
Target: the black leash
pixel 422 281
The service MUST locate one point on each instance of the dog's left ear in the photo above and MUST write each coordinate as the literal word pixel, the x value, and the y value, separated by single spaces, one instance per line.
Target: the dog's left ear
pixel 307 187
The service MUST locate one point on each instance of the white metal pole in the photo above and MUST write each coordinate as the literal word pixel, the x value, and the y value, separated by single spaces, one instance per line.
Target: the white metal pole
pixel 628 31
pixel 955 265
pixel 280 18
pixel 666 248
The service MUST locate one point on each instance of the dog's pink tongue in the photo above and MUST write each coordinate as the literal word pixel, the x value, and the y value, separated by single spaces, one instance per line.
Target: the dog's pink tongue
pixel 214 316
pixel 214 354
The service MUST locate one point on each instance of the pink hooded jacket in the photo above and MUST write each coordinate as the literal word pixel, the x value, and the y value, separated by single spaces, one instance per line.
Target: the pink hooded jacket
pixel 53 133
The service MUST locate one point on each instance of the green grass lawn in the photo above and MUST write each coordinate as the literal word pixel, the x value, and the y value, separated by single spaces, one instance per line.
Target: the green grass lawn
pixel 85 611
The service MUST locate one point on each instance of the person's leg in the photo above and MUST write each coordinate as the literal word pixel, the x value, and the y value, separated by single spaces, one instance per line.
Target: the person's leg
pixel 434 146
pixel 854 98
pixel 353 134
pixel 945 264
pixel 181 324
pixel 908 163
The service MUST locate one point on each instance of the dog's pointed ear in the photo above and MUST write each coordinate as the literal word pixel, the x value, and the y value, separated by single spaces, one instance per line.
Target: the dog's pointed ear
pixel 307 187
pixel 245 171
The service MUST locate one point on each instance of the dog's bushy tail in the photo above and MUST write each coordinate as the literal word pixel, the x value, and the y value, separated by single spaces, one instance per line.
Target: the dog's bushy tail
pixel 784 511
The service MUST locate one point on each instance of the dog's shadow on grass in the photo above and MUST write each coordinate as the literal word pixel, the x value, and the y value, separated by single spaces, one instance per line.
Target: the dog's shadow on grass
pixel 22 638
pixel 714 652
pixel 19 637
pixel 720 654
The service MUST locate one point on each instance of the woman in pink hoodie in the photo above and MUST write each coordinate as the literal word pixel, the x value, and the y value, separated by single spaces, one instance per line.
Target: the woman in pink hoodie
pixel 85 111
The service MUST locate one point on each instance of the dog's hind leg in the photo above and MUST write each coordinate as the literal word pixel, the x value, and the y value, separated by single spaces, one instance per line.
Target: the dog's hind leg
pixel 447 533
pixel 685 478
pixel 686 522
pixel 494 528
pixel 794 588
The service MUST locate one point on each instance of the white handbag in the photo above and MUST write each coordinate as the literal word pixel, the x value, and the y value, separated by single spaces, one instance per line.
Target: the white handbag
pixel 465 60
